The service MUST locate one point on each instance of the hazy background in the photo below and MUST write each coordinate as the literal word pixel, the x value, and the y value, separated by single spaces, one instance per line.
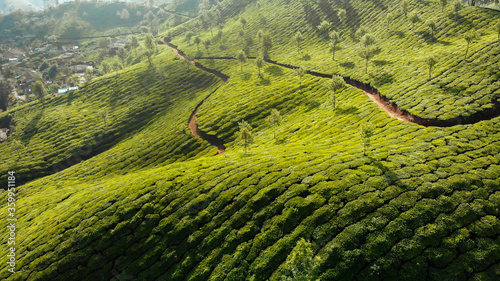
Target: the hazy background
pixel 35 5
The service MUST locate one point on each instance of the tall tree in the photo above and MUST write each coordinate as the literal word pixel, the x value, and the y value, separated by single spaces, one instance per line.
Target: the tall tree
pixel 388 19
pixel 367 40
pixel 335 84
pixel 342 15
pixel 298 38
pixel 431 62
pixel 470 37
pixel 219 36
pixel 265 45
pixel 404 7
pixel 207 44
pixel 39 91
pixel 274 120
pixel 324 28
pixel 189 35
pixel 443 4
pixel 259 62
pixel 5 91
pixel 242 57
pixel 197 41
pixel 367 53
pixel 245 134
pixel 497 28
pixel 299 72
pixel 414 18
pixel 457 6
pixel 431 23
pixel 335 38
pixel 134 43
pixel 366 132
pixel 150 46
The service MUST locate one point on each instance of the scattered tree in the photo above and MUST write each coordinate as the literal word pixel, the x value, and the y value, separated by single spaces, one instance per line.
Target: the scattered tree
pixel 105 67
pixel 404 7
pixel 52 72
pixel 242 57
pixel 219 35
pixel 443 4
pixel 414 18
pixel 323 28
pixel 5 91
pixel 243 22
pixel 188 62
pixel 299 72
pixel 335 84
pixel 388 19
pixel 457 6
pixel 362 30
pixel 39 91
pixel 300 265
pixel 134 43
pixel 265 45
pixel 342 15
pixel 207 44
pixel 431 23
pixel 431 62
pixel 470 37
pixel 245 134
pixel 298 38
pixel 274 120
pixel 150 46
pixel 197 41
pixel 335 38
pixel 259 62
pixel 189 35
pixel 367 40
pixel 497 28
pixel 367 53
pixel 366 132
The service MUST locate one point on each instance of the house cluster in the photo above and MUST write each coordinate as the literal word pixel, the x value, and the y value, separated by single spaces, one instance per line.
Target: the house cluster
pixel 23 67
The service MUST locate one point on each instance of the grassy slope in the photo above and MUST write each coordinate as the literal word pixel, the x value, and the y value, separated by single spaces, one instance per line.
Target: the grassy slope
pixel 141 102
pixel 422 205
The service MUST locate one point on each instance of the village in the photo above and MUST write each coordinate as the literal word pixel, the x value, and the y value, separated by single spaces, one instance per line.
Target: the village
pixel 60 66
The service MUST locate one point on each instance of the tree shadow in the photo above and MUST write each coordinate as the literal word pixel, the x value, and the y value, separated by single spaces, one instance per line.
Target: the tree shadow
pixel 348 64
pixel 381 62
pixel 32 127
pixel 346 110
pixel 305 57
pixel 274 70
pixel 312 105
pixel 246 76
pixel 263 80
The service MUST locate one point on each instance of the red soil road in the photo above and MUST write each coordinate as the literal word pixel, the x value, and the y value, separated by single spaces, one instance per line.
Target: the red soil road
pixel 192 119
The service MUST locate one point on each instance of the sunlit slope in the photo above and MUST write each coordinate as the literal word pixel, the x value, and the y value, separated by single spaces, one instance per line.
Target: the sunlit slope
pixel 423 205
pixel 399 71
pixel 140 112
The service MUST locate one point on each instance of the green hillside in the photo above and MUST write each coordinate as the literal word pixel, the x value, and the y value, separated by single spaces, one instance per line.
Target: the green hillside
pixel 120 189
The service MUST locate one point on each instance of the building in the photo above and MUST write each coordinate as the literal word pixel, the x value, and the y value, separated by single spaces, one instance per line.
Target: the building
pixel 3 134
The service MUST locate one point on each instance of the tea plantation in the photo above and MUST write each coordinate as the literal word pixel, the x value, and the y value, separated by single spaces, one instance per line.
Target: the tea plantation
pixel 117 187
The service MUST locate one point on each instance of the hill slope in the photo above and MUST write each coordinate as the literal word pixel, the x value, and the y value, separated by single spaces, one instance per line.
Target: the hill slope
pixel 421 204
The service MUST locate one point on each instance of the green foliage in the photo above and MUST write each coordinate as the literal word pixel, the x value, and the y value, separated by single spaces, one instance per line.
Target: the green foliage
pixel 245 135
pixel 366 132
pixel 335 84
pixel 431 62
pixel 274 120
pixel 301 265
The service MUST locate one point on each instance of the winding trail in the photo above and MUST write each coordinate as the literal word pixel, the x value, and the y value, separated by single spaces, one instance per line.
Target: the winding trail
pixel 195 130
pixel 382 101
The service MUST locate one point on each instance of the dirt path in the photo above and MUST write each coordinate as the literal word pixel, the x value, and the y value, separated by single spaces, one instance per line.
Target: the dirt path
pixel 382 101
pixel 195 130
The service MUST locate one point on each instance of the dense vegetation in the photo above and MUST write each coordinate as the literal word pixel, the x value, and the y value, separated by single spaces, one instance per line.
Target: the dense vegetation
pixel 375 197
